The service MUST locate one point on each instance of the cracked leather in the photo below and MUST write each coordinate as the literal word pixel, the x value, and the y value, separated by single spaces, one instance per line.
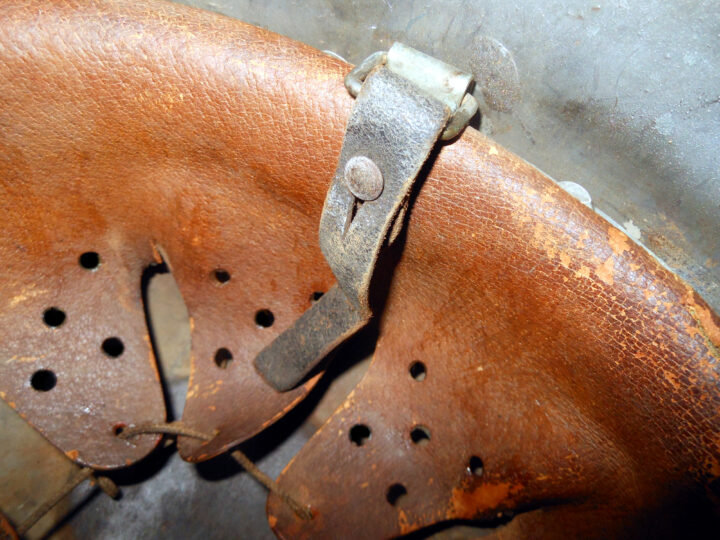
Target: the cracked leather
pixel 579 370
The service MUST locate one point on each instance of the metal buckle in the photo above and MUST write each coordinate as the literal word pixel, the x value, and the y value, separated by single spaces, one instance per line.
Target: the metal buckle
pixel 441 81
pixel 406 101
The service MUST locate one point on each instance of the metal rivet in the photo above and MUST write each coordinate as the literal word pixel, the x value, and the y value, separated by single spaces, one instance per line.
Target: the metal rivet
pixel 363 178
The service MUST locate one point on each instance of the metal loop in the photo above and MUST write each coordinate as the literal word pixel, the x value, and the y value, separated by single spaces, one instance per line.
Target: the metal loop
pixel 458 121
pixel 354 79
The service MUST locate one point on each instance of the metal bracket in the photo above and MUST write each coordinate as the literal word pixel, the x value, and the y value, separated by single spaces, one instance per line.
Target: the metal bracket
pixel 406 101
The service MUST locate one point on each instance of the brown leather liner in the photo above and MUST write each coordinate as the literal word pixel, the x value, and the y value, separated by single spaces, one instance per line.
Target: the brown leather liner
pixel 581 373
pixel 140 130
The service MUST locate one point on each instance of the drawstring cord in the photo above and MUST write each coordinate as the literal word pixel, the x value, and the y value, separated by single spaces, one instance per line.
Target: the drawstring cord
pixel 173 429
pixel 176 428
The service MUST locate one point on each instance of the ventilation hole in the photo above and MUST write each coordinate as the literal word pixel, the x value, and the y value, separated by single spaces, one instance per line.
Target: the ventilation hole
pixel 264 318
pixel 54 317
pixel 223 357
pixel 475 466
pixel 43 380
pixel 395 494
pixel 118 429
pixel 420 435
pixel 221 276
pixel 90 260
pixel 418 371
pixel 113 347
pixel 360 434
pixel 317 295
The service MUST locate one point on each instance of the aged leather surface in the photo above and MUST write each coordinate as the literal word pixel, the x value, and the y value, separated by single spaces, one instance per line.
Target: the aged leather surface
pixel 580 372
pixel 123 134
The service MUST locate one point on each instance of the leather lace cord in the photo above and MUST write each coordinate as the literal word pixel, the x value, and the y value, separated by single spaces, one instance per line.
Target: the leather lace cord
pixel 176 428
pixel 104 483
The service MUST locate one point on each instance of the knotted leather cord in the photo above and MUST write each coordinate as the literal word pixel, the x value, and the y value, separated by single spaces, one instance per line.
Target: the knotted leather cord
pixel 176 428
pixel 104 483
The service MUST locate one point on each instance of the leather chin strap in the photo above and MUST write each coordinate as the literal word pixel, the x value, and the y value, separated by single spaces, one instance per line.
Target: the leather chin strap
pixel 531 356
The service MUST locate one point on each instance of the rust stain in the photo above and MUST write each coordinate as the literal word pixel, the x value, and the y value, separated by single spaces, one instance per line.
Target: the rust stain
pixel 672 379
pixel 72 454
pixel 23 359
pixel 580 244
pixel 565 259
pixel 584 272
pixel 693 331
pixel 606 271
pixel 618 240
pixel 156 253
pixel 27 294
pixel 702 315
pixel 403 523
pixel 193 391
pixel 544 240
pixel 484 497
